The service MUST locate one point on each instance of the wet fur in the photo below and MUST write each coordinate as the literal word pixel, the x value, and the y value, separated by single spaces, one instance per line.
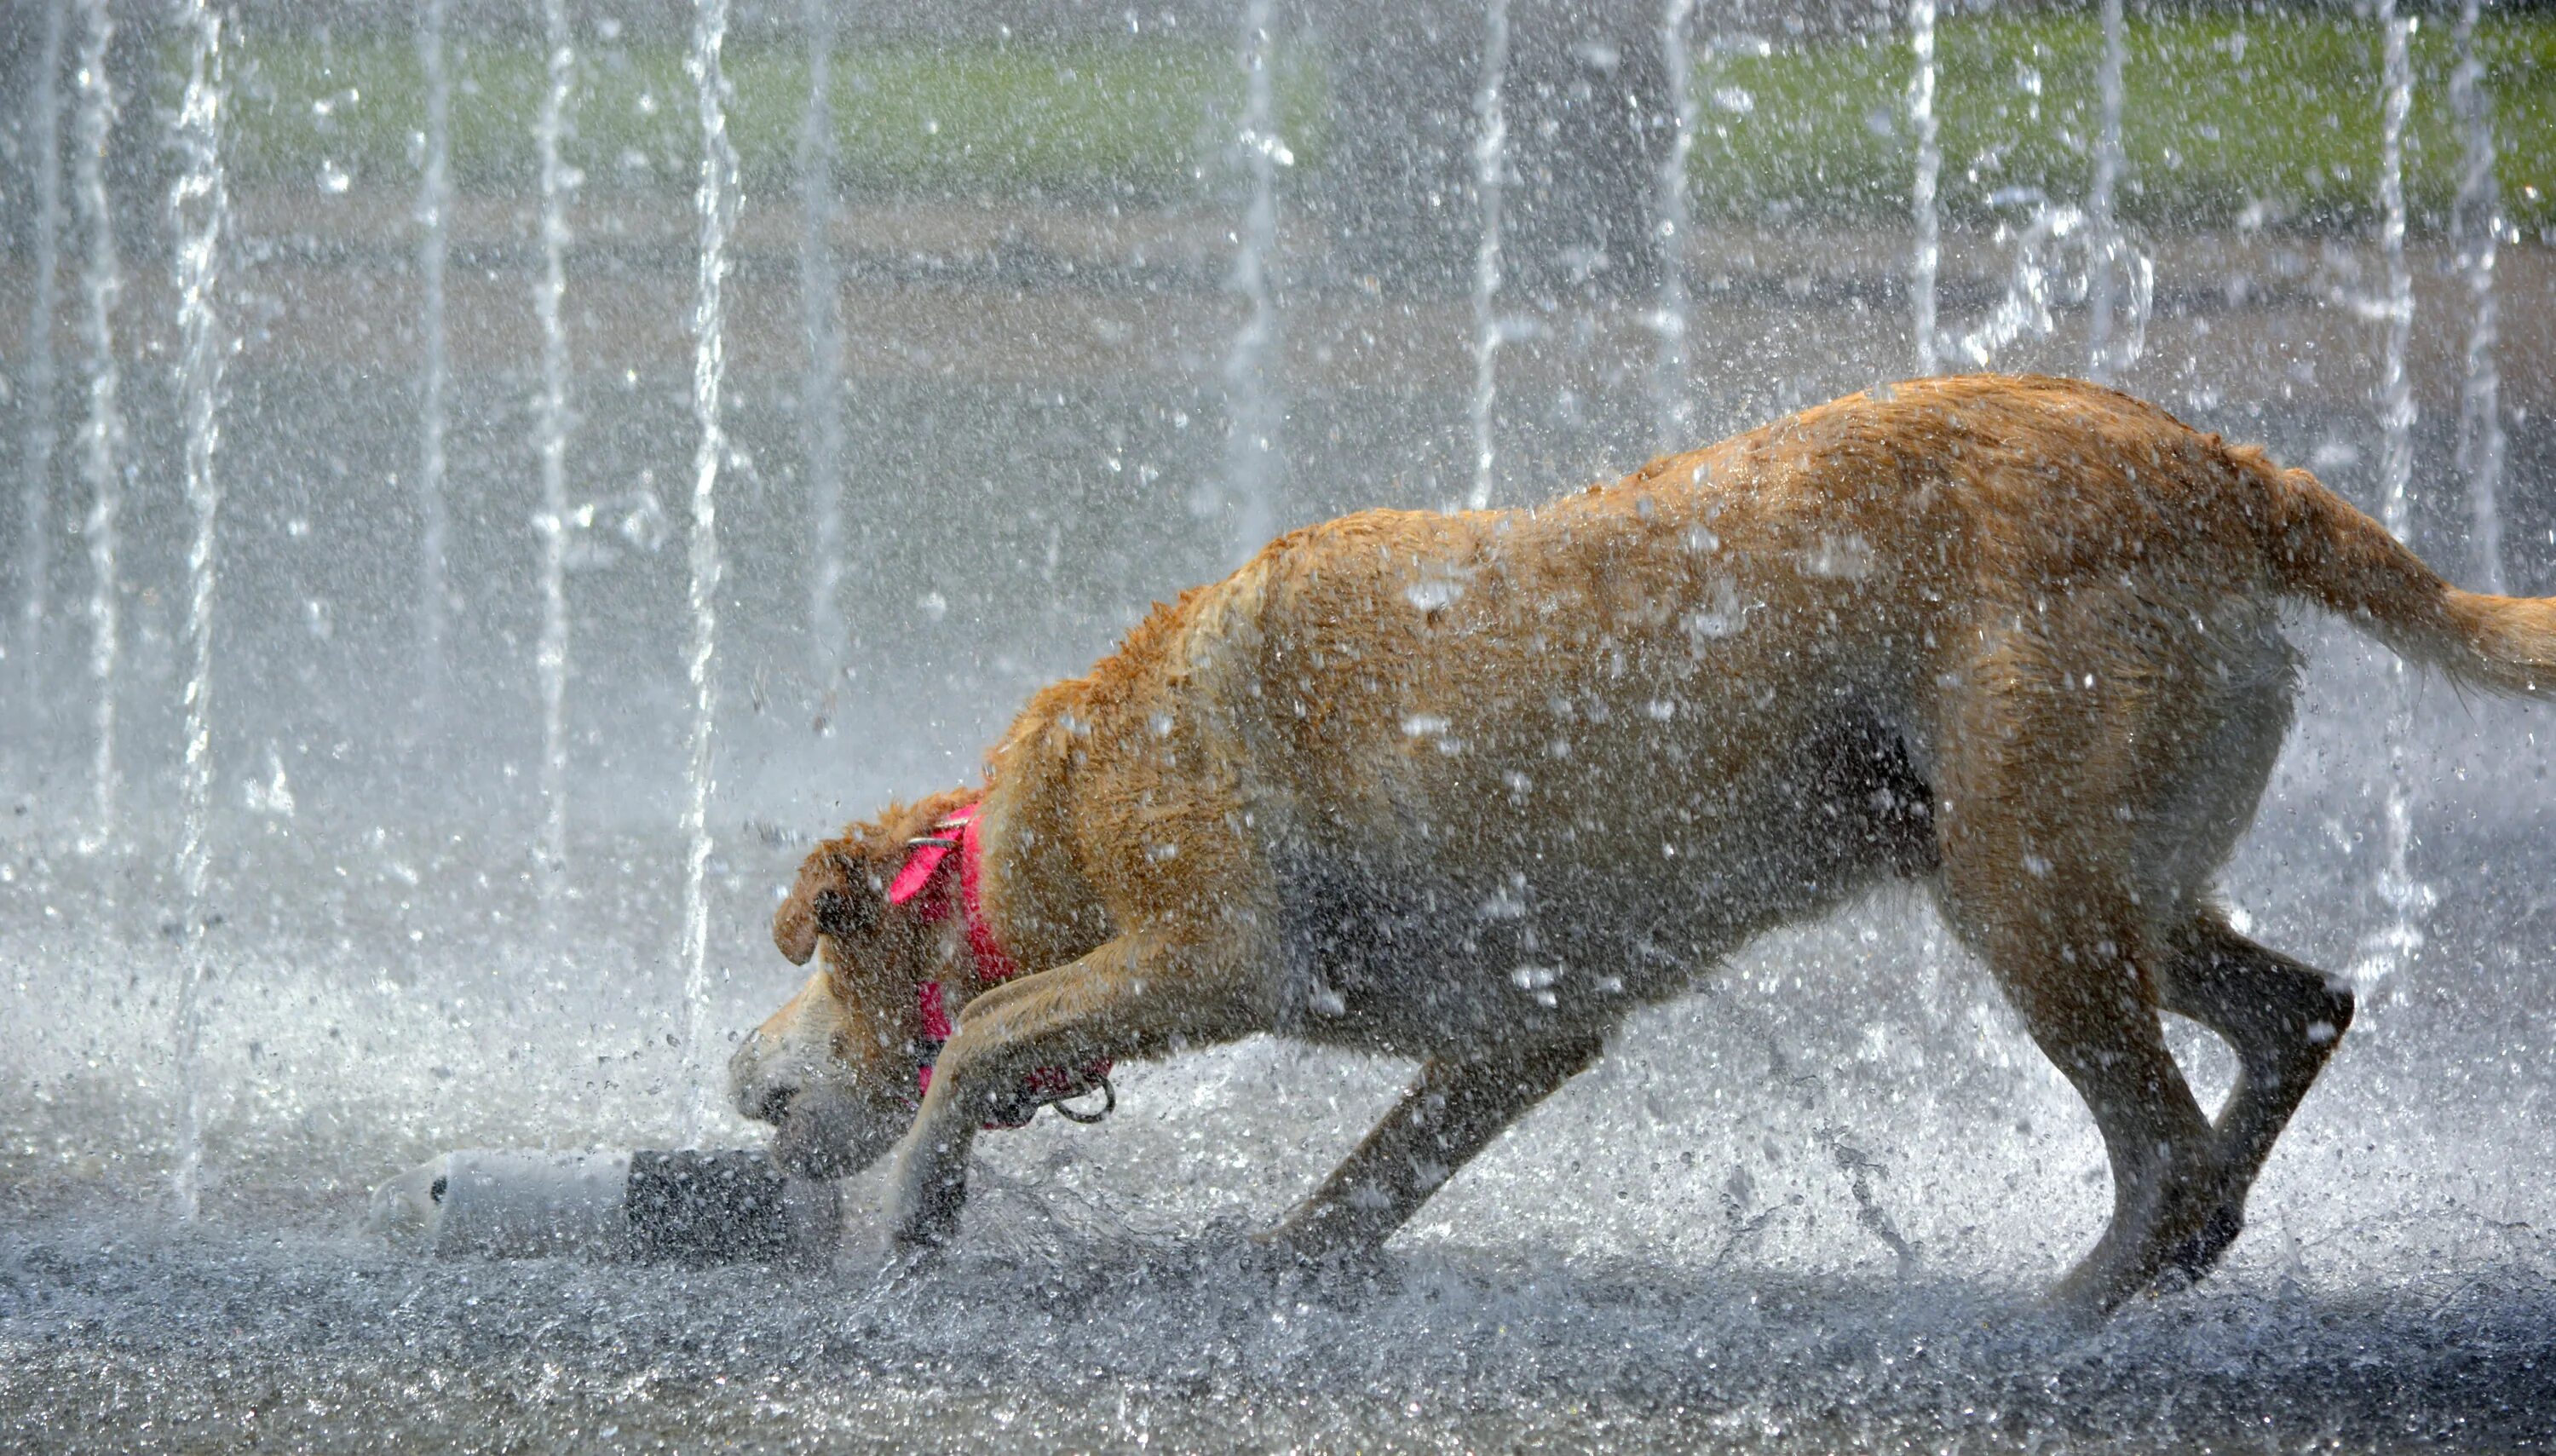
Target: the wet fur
pixel 1469 788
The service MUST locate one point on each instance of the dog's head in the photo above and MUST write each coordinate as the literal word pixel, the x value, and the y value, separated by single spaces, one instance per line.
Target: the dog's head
pixel 833 1070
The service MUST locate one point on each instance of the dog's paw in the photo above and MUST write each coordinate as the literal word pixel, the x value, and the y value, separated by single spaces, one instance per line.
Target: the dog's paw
pixel 925 1195
pixel 1331 1271
pixel 2191 1260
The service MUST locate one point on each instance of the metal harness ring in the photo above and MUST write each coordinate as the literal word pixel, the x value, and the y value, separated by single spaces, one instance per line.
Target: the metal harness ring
pixel 1109 1104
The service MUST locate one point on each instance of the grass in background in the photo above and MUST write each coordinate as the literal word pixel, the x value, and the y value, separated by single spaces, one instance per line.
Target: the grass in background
pixel 2272 117
pixel 2276 115
pixel 1145 120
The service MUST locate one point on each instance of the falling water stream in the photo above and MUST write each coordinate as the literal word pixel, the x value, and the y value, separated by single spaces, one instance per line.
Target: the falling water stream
pixel 2475 222
pixel 1926 254
pixel 2103 229
pixel 44 160
pixel 2393 946
pixel 433 209
pixel 102 429
pixel 1490 168
pixel 716 199
pixel 1672 394
pixel 201 213
pixel 1250 396
pixel 551 438
pixel 821 403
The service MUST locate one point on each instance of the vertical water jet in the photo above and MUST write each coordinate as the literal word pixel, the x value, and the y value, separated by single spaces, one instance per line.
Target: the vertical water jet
pixel 1490 166
pixel 1672 410
pixel 551 444
pixel 821 404
pixel 1251 409
pixel 202 209
pixel 2475 222
pixel 2393 946
pixel 36 486
pixel 434 203
pixel 2103 229
pixel 717 199
pixel 1928 253
pixel 101 437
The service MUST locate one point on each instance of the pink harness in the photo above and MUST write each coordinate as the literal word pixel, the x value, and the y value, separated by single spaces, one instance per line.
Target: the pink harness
pixel 921 885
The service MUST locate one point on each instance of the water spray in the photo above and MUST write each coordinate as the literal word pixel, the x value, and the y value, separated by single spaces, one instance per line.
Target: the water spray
pixel 102 429
pixel 1672 408
pixel 550 443
pixel 717 199
pixel 2476 221
pixel 1250 406
pixel 1927 256
pixel 44 158
pixel 433 208
pixel 2393 946
pixel 202 205
pixel 820 422
pixel 1490 167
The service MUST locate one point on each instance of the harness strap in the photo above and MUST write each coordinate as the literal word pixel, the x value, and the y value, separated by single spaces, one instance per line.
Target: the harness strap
pixel 921 883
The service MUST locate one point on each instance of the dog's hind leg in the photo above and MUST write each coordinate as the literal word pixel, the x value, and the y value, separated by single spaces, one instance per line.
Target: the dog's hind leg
pixel 2039 879
pixel 1451 1112
pixel 1141 995
pixel 2283 1019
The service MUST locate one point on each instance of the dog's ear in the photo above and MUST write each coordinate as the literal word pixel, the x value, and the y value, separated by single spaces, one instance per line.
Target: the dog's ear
pixel 835 896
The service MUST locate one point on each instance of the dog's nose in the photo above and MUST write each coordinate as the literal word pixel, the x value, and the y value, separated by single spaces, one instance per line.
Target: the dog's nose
pixel 775 1104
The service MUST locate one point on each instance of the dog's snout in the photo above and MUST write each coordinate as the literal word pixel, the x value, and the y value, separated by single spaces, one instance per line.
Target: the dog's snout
pixel 774 1104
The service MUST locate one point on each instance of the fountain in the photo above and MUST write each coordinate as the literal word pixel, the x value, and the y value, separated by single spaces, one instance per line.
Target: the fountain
pixel 1672 392
pixel 102 428
pixel 35 494
pixel 1490 167
pixel 2392 947
pixel 2102 229
pixel 2476 224
pixel 954 260
pixel 552 424
pixel 201 206
pixel 821 402
pixel 1926 256
pixel 434 214
pixel 716 200
pixel 1252 412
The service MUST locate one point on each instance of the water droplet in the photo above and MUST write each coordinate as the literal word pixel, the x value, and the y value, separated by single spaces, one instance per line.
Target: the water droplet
pixel 1433 594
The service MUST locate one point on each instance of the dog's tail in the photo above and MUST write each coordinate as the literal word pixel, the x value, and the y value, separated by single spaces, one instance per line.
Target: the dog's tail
pixel 2323 550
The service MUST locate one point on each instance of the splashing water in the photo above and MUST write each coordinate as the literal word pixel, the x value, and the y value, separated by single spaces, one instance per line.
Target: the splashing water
pixel 821 401
pixel 434 204
pixel 1490 167
pixel 1672 405
pixel 203 210
pixel 102 431
pixel 716 199
pixel 2477 224
pixel 2051 234
pixel 2104 230
pixel 36 489
pixel 550 443
pixel 1928 254
pixel 1250 400
pixel 2393 946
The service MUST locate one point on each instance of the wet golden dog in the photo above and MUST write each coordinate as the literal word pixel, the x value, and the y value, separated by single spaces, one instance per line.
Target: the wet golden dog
pixel 1471 788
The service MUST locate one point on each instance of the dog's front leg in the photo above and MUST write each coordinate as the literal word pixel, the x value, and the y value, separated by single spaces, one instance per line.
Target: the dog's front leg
pixel 1143 994
pixel 1453 1111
